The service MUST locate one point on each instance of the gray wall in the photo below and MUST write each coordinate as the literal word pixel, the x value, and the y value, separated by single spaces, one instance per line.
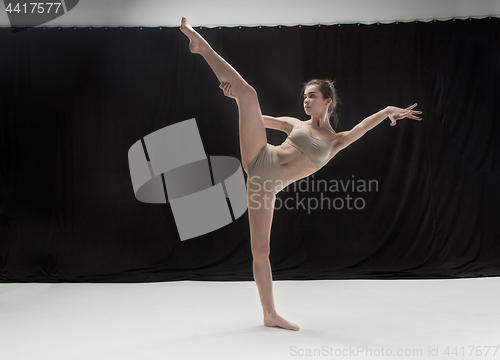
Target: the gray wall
pixel 265 12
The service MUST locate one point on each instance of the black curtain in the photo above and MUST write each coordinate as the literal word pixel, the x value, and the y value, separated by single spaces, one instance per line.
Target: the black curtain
pixel 418 200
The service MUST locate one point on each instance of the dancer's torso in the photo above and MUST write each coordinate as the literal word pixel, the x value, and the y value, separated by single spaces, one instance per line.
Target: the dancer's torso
pixel 296 164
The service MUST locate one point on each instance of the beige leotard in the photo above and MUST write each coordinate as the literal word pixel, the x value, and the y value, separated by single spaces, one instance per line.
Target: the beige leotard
pixel 265 169
pixel 317 150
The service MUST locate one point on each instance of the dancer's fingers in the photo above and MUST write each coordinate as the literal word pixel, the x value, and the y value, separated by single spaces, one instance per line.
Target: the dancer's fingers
pixel 403 115
pixel 226 87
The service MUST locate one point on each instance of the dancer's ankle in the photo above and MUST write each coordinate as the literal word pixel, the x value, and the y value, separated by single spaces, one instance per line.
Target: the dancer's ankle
pixel 268 314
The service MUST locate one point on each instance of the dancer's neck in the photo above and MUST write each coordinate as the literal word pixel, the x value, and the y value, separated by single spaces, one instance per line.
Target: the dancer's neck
pixel 320 121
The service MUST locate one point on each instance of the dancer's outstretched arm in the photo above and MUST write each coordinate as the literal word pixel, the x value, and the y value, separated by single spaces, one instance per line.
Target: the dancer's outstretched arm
pixel 394 113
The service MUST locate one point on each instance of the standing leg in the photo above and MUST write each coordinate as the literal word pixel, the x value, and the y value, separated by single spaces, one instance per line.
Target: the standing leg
pixel 251 124
pixel 252 139
pixel 260 214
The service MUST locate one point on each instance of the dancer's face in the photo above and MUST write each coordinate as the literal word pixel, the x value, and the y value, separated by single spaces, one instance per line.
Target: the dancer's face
pixel 314 103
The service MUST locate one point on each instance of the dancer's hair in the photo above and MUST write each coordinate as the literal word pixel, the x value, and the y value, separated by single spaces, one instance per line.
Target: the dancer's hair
pixel 327 89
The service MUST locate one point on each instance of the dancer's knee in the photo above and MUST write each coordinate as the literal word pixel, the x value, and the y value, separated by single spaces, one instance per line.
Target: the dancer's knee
pixel 260 252
pixel 244 90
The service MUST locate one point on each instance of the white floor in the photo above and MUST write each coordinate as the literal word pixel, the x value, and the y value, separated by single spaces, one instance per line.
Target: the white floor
pixel 343 319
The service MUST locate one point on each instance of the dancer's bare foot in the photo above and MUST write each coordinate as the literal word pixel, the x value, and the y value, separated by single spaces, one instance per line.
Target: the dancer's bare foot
pixel 197 43
pixel 276 320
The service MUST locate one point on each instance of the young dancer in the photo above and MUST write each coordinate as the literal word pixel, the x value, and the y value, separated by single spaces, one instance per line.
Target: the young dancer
pixel 309 146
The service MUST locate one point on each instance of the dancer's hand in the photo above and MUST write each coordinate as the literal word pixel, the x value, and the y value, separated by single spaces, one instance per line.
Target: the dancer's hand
pixel 394 113
pixel 226 87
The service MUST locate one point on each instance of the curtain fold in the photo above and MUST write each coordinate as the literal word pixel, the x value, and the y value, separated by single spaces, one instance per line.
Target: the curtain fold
pixel 418 200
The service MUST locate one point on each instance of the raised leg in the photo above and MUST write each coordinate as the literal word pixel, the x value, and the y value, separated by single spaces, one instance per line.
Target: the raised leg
pixel 260 215
pixel 251 124
pixel 252 139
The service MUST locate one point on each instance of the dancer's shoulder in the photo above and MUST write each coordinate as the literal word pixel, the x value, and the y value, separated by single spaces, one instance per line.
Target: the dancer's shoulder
pixel 290 123
pixel 291 120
